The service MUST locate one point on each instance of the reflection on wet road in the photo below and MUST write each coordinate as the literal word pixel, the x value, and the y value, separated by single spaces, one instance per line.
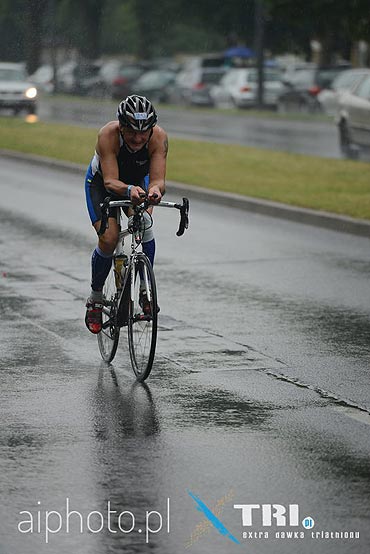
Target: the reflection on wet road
pixel 259 393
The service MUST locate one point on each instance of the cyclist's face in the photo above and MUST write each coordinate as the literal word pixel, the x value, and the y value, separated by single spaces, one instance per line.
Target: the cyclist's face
pixel 135 140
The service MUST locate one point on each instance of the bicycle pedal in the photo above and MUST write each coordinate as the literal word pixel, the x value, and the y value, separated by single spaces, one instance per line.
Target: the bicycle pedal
pixel 142 317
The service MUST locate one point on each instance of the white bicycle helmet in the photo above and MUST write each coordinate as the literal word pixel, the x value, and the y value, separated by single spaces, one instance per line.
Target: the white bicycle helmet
pixel 137 112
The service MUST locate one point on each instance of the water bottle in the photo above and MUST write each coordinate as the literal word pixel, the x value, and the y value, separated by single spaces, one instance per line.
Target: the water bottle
pixel 120 264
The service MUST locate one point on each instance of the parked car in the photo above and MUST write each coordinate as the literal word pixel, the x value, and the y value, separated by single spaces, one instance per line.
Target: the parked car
pixel 122 83
pixel 116 78
pixel 101 84
pixel 164 63
pixel 205 61
pixel 346 80
pixel 239 87
pixel 290 69
pixel 200 92
pixel 192 79
pixel 16 91
pixel 77 77
pixel 353 119
pixel 300 92
pixel 155 84
pixel 42 78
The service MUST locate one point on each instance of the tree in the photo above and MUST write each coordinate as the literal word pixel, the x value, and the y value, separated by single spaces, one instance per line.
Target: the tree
pixel 12 30
pixel 21 31
pixel 232 20
pixel 35 12
pixel 332 22
pixel 81 24
pixel 148 28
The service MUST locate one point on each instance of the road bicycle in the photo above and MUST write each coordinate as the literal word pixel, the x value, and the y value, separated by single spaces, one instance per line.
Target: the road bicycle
pixel 130 292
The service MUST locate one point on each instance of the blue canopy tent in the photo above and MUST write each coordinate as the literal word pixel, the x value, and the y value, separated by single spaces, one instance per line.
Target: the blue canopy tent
pixel 239 52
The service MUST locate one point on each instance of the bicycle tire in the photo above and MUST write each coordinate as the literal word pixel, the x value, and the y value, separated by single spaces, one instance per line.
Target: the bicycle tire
pixel 142 328
pixel 109 335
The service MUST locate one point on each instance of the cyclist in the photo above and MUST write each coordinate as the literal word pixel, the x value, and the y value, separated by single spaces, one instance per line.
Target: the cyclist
pixel 129 160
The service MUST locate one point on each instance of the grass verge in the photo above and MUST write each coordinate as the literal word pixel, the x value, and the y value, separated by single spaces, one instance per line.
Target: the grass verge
pixel 338 186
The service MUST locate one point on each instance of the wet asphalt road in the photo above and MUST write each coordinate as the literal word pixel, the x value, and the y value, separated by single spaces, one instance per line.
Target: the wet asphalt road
pixel 303 137
pixel 259 394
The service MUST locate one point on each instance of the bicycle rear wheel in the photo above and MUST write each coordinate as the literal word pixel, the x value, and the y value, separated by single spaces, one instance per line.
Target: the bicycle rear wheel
pixel 109 335
pixel 142 323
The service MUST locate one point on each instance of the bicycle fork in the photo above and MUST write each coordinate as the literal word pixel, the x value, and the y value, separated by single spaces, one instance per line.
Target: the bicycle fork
pixel 144 280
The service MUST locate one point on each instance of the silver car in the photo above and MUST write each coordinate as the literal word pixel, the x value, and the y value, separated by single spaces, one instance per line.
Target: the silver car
pixel 345 81
pixel 238 87
pixel 353 119
pixel 16 92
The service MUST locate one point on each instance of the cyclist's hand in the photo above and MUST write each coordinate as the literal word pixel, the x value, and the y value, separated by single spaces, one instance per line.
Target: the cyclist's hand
pixel 154 195
pixel 137 195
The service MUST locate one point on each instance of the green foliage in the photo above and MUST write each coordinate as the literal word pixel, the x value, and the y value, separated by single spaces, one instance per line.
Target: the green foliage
pixel 233 20
pixel 79 24
pixel 163 31
pixel 337 186
pixel 188 39
pixel 119 28
pixel 146 28
pixel 12 30
pixel 336 23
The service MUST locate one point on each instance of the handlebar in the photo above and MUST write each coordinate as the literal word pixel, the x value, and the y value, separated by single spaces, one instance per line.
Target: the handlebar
pixel 108 203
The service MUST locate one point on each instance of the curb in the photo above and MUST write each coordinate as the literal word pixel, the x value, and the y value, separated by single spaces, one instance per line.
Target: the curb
pixel 340 223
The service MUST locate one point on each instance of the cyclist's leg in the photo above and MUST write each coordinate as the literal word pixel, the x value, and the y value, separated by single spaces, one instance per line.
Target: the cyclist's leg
pixel 101 260
pixel 101 263
pixel 148 239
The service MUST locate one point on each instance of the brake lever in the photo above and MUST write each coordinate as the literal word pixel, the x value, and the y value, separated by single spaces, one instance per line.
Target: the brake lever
pixel 184 217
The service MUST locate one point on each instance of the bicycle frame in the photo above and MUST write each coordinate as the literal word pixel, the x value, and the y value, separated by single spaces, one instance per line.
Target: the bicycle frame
pixel 130 269
pixel 131 295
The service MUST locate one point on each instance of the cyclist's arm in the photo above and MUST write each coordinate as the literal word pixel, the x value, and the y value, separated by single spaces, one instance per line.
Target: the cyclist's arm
pixel 107 148
pixel 158 158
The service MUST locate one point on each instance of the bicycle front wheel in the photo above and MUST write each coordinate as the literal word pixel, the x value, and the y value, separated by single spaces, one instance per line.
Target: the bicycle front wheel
pixel 109 335
pixel 143 316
